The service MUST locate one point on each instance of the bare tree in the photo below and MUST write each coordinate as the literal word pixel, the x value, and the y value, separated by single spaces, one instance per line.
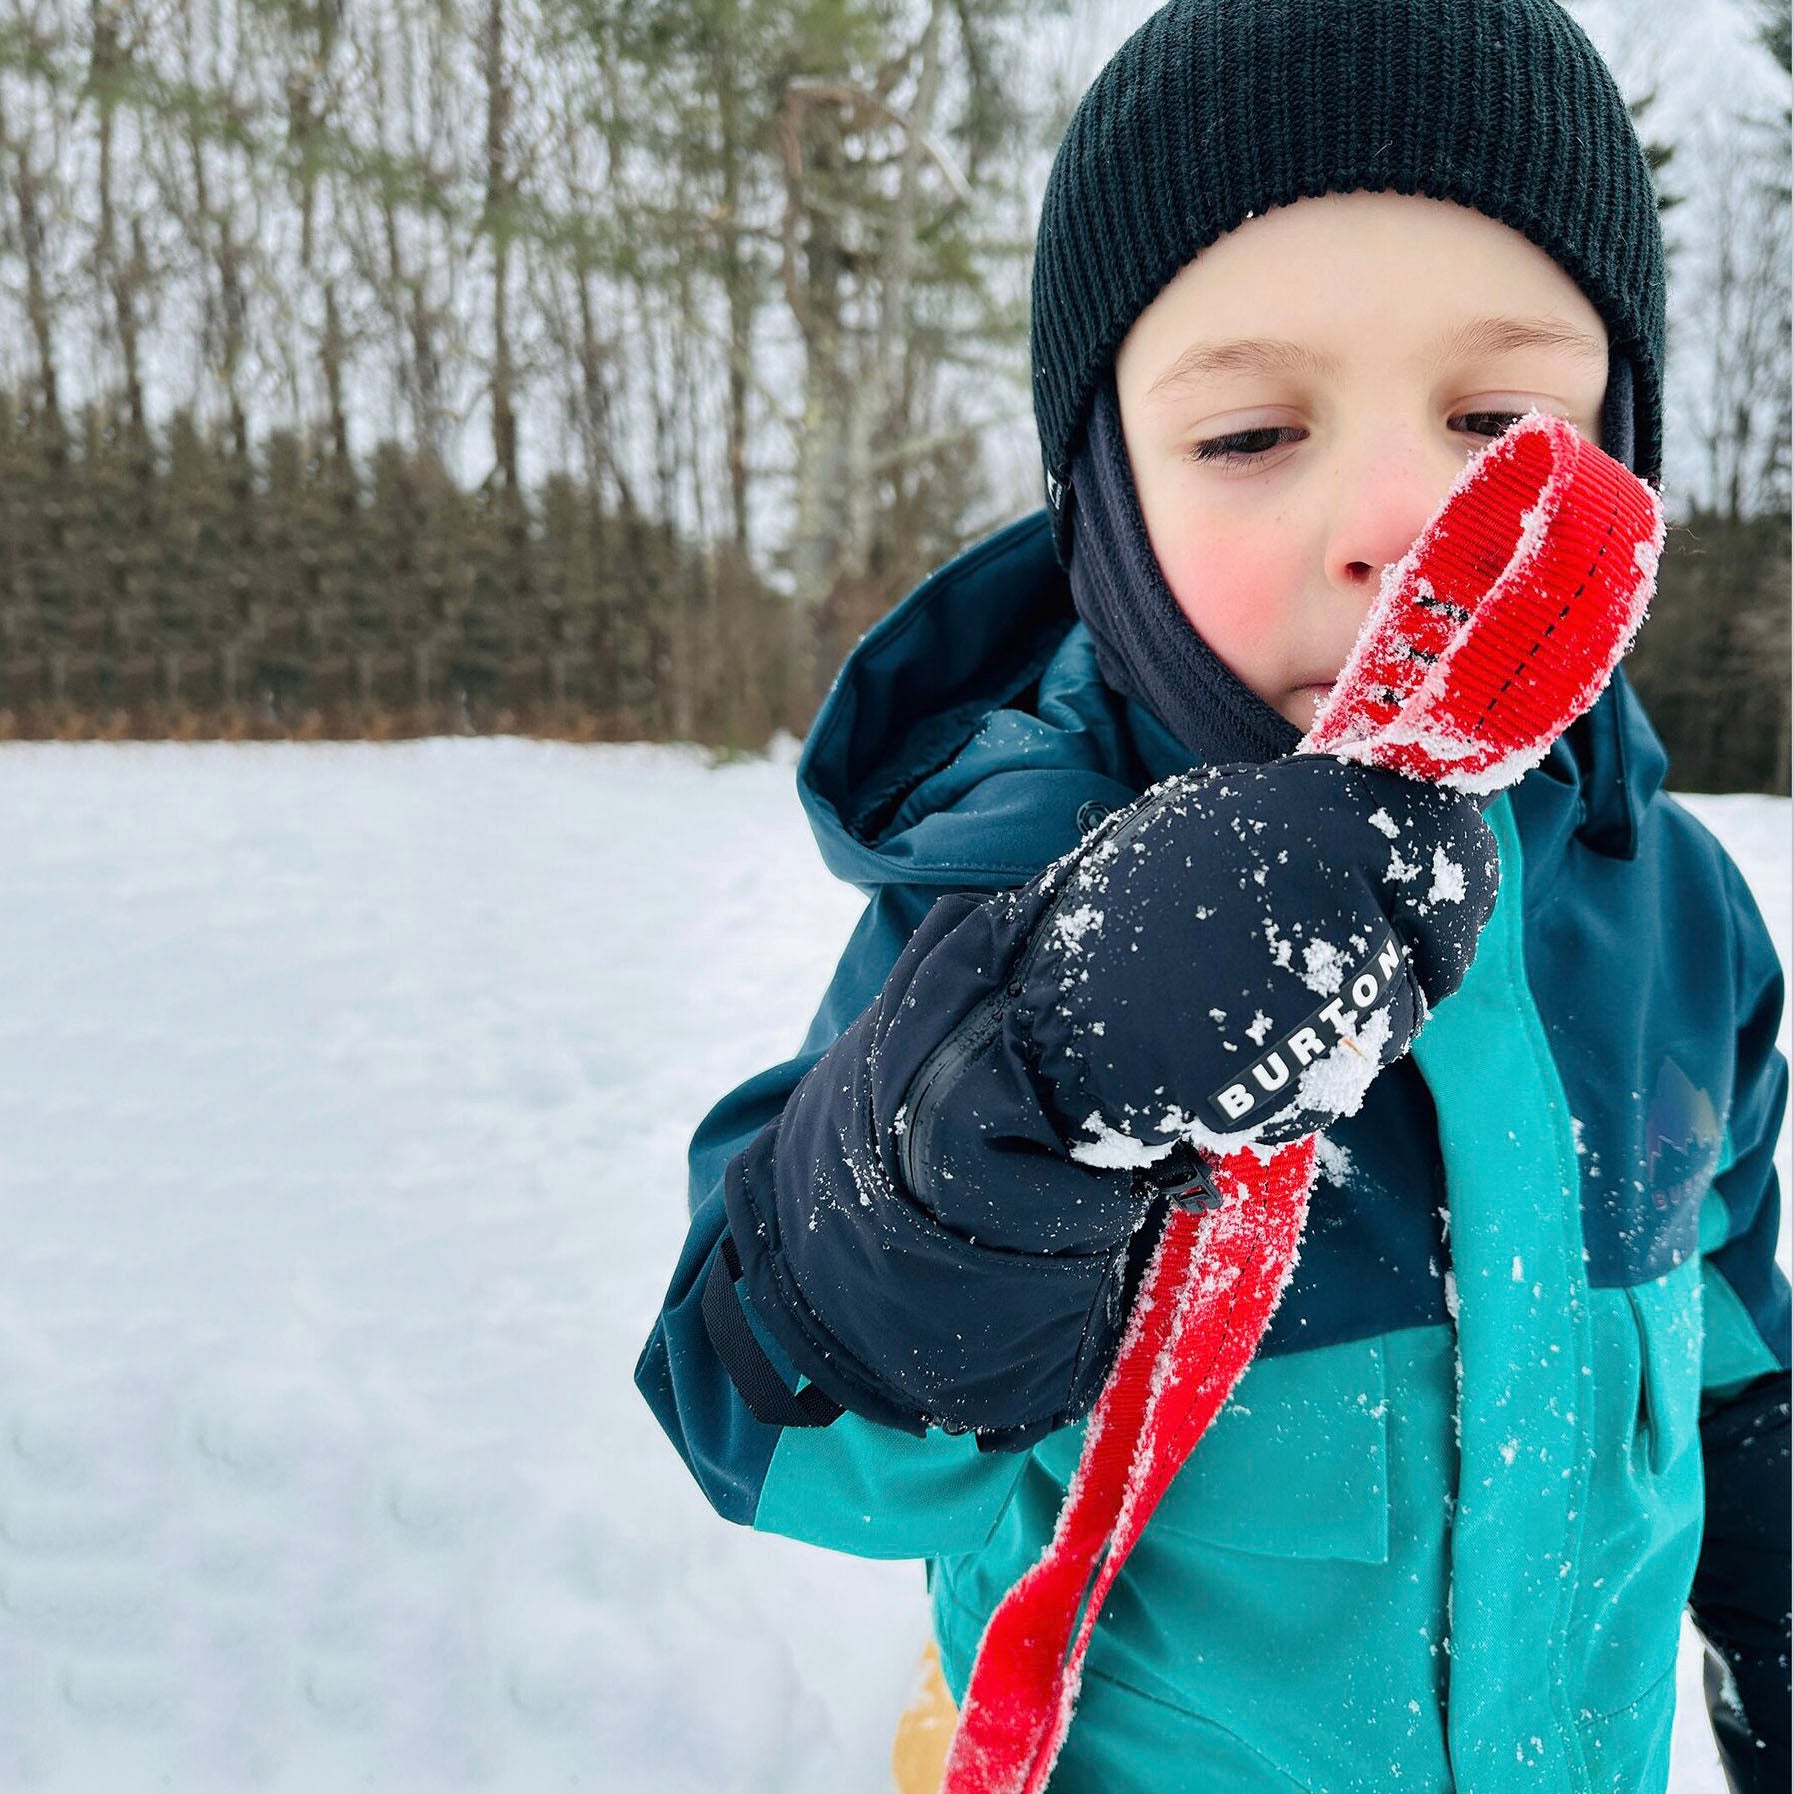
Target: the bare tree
pixel 205 171
pixel 1739 315
pixel 497 222
pixel 406 221
pixel 312 89
pixel 121 260
pixel 29 149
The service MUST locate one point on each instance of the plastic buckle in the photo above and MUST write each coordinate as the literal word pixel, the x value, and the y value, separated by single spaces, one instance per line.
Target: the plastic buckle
pixel 1196 1194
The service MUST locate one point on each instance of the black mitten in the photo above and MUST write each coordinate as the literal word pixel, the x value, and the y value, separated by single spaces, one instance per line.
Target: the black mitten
pixel 944 1222
pixel 1234 958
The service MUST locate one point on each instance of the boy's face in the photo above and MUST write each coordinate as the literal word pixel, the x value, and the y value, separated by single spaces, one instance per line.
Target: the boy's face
pixel 1299 399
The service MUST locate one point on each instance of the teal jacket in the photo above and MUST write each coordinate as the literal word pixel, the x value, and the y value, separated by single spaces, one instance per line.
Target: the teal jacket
pixel 1443 1534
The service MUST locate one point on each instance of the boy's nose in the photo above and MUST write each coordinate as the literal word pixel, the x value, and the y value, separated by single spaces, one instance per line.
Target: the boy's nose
pixel 1384 503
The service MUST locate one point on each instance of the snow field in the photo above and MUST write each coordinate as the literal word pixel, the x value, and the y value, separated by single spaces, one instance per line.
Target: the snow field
pixel 344 1094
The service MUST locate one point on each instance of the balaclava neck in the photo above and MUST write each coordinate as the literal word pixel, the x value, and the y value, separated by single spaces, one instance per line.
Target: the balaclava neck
pixel 1146 648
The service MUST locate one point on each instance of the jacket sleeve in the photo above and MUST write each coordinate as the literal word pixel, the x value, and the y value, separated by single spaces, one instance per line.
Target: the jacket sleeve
pixel 1740 1596
pixel 852 1287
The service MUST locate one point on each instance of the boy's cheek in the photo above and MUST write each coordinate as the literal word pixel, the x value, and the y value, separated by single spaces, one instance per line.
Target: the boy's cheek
pixel 1236 593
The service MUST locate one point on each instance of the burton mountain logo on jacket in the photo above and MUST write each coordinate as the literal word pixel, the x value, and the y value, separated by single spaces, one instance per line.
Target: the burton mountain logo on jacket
pixel 1682 1138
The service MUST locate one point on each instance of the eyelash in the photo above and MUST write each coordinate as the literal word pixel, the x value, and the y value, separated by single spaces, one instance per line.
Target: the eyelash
pixel 1224 451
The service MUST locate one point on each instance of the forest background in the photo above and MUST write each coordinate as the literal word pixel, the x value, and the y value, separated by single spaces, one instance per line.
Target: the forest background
pixel 604 368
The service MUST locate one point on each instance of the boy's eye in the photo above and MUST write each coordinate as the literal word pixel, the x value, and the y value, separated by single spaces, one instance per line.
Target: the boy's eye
pixel 1242 445
pixel 1245 446
pixel 1488 423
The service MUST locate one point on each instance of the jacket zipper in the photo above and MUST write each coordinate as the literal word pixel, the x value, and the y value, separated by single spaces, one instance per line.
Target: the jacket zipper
pixel 971 1036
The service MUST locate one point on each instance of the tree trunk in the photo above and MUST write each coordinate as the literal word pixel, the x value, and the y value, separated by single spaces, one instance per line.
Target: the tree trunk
pixel 816 300
pixel 737 274
pixel 120 279
pixel 872 410
pixel 28 199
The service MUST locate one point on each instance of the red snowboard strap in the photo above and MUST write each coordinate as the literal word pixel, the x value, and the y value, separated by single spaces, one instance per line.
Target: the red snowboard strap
pixel 1488 639
pixel 1212 1285
pixel 1505 620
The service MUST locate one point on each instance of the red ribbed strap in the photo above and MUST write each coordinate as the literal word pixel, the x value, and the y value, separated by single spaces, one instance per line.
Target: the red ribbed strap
pixel 1505 620
pixel 1209 1293
pixel 1488 639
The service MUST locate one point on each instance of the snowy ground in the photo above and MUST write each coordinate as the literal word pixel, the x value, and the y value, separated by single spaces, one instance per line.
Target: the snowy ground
pixel 343 1100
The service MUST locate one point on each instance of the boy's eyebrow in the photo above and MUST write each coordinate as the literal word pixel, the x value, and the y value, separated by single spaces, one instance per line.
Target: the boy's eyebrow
pixel 1485 337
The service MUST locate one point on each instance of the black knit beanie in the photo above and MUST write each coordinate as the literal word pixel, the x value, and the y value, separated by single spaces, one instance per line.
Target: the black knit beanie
pixel 1215 110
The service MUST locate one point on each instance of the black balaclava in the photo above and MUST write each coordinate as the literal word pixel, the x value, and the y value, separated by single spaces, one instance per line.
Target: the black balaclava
pixel 1146 648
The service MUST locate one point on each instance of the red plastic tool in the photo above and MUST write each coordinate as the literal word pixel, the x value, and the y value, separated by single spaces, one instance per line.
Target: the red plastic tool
pixel 1488 639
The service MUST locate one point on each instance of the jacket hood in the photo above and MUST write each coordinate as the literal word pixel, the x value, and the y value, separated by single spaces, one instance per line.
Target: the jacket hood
pixel 968 735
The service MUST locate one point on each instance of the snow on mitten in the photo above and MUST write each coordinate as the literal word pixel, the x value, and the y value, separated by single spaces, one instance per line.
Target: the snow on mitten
pixel 1235 960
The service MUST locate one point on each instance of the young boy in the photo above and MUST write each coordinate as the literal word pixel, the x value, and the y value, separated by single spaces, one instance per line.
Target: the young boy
pixel 1527 1394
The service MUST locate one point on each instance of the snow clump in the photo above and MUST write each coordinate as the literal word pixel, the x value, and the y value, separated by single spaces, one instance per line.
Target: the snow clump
pixel 1448 879
pixel 1323 968
pixel 1337 1083
pixel 1112 1150
pixel 1070 928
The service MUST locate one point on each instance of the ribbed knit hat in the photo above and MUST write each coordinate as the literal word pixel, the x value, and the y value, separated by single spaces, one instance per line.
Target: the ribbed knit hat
pixel 1215 110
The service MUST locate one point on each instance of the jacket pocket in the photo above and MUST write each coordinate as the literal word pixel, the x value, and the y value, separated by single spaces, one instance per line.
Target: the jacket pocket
pixel 1640 1527
pixel 1669 1343
pixel 1296 1464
